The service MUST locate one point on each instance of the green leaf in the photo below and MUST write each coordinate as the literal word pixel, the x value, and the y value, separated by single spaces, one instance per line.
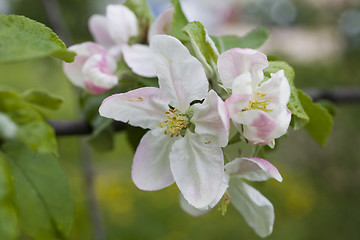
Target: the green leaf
pixel 203 46
pixel 42 196
pixel 23 38
pixel 254 39
pixel 31 127
pixel 179 21
pixel 321 121
pixel 143 13
pixel 299 117
pixel 8 227
pixel 42 99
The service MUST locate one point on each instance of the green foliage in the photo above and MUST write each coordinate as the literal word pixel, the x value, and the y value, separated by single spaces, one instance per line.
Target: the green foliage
pixel 254 40
pixel 42 99
pixel 8 226
pixel 42 196
pixel 203 46
pixel 23 39
pixel 179 21
pixel 321 121
pixel 299 117
pixel 31 127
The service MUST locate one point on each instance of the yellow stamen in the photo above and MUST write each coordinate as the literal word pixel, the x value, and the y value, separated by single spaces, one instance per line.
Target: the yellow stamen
pixel 174 123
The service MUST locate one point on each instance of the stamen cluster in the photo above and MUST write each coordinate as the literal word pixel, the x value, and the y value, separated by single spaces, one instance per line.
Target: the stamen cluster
pixel 174 123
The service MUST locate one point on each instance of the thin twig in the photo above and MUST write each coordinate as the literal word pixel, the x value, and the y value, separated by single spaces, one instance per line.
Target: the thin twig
pixel 82 127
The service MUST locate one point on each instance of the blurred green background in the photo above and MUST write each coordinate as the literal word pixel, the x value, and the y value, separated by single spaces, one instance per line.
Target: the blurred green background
pixel 320 195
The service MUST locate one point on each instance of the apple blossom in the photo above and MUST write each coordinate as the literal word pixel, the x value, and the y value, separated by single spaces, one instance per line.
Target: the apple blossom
pixel 93 68
pixel 257 210
pixel 114 31
pixel 185 138
pixel 258 104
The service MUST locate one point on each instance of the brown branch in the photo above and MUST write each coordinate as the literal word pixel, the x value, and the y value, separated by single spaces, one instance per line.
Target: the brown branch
pixel 82 127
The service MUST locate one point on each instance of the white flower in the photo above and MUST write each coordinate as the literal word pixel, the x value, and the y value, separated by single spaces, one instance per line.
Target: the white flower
pixel 184 142
pixel 257 210
pixel 260 106
pixel 93 68
pixel 114 30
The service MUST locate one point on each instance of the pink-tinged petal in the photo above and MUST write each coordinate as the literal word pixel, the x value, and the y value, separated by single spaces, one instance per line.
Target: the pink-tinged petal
pixel 252 169
pixel 256 209
pixel 99 69
pixel 235 105
pixel 277 89
pixel 87 49
pixel 140 59
pixel 211 119
pixel 258 125
pixel 143 107
pixel 122 23
pixel 237 61
pixel 151 168
pixel 191 210
pixel 198 169
pixel 162 24
pixel 84 51
pixel 100 31
pixel 282 118
pixel 180 74
pixel 92 88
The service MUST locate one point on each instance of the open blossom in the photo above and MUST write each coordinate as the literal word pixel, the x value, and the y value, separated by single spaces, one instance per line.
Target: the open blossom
pixel 257 210
pixel 260 106
pixel 184 142
pixel 93 68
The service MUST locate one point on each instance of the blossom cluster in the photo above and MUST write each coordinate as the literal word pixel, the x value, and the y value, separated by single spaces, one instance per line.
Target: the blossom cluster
pixel 189 123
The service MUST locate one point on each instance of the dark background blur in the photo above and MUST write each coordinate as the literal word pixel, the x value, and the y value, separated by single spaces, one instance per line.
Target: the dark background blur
pixel 320 195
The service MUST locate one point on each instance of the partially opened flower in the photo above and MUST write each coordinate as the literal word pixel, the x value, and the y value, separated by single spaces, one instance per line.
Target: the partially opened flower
pixel 257 210
pixel 93 68
pixel 114 30
pixel 258 105
pixel 184 142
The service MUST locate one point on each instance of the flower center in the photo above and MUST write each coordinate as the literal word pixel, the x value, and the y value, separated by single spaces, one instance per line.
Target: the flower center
pixel 174 123
pixel 255 103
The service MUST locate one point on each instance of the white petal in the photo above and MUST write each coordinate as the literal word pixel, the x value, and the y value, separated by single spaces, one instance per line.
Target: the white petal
pixel 189 209
pixel 242 84
pixel 211 119
pixel 100 31
pixel 277 89
pixel 122 23
pixel 98 72
pixel 151 168
pixel 237 61
pixel 140 59
pixel 162 24
pixel 252 169
pixel 257 210
pixel 74 70
pixel 198 169
pixel 180 75
pixel 143 107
